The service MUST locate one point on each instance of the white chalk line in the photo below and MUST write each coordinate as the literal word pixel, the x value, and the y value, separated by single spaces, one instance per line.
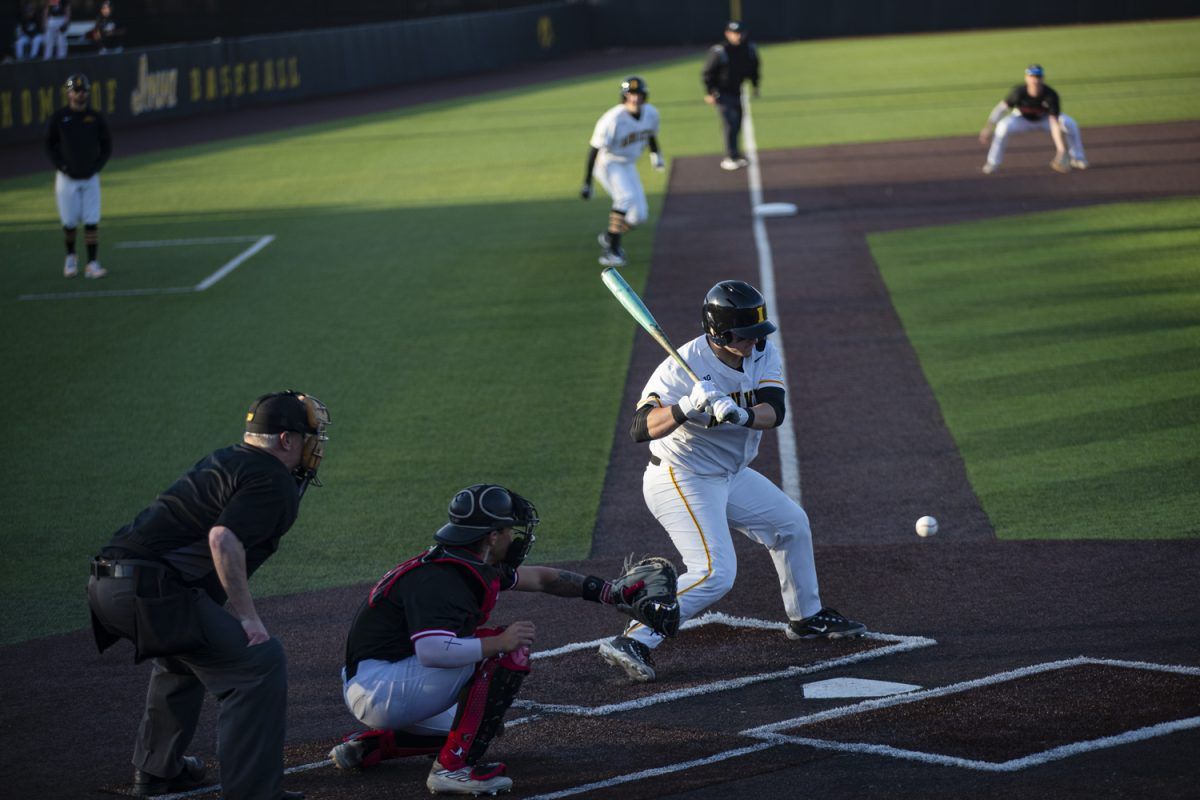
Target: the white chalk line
pixel 789 459
pixel 259 243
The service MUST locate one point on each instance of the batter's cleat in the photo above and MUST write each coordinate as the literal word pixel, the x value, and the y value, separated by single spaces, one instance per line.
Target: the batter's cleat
pixel 825 624
pixel 741 162
pixel 1079 163
pixel 70 267
pixel 191 777
pixel 729 164
pixel 990 168
pixel 631 656
pixel 476 780
pixel 94 270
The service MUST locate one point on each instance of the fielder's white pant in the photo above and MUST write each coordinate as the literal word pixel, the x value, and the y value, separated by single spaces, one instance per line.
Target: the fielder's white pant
pixel 1015 123
pixel 623 184
pixel 78 200
pixel 405 695
pixel 55 40
pixel 698 512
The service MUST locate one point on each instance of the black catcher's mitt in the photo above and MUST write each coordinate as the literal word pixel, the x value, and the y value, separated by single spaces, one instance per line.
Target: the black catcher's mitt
pixel 646 592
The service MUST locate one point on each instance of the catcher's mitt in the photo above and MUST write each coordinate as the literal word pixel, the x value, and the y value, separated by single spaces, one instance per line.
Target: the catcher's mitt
pixel 1061 163
pixel 646 592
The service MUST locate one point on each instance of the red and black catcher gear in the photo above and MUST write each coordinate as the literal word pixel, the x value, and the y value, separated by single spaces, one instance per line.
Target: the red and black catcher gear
pixel 735 308
pixel 482 508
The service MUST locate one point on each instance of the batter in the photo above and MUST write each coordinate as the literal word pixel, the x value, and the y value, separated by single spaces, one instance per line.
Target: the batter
pixel 620 136
pixel 1033 106
pixel 699 485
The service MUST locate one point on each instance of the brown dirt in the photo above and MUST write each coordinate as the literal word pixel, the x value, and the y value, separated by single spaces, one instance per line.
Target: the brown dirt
pixel 874 455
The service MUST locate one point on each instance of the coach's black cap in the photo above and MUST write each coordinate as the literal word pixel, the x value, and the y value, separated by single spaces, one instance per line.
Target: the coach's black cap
pixel 735 26
pixel 277 412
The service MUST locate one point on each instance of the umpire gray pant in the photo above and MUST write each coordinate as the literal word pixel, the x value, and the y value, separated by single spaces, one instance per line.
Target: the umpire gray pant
pixel 250 683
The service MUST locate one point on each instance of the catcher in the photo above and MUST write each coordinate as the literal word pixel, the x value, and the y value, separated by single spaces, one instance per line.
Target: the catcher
pixel 424 675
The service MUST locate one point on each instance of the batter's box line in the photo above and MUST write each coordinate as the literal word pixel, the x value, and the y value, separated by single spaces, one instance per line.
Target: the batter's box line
pixel 901 644
pixel 770 732
pixel 259 243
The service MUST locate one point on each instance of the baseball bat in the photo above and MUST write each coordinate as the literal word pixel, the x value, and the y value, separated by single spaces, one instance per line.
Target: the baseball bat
pixel 628 298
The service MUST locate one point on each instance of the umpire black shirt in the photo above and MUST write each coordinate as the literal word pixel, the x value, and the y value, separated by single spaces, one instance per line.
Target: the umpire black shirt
pixel 243 488
pixel 77 142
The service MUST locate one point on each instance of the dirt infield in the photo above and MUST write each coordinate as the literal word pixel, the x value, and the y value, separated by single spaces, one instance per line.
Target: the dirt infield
pixel 874 456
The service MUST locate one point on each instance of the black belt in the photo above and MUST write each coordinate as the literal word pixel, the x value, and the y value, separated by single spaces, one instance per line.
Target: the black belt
pixel 655 460
pixel 104 568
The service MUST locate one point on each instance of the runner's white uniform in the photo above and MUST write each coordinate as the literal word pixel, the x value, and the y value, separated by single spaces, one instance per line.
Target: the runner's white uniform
pixel 704 487
pixel 621 138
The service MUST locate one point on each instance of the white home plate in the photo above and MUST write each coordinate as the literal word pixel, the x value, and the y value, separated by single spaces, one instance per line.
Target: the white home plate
pixel 853 687
pixel 775 209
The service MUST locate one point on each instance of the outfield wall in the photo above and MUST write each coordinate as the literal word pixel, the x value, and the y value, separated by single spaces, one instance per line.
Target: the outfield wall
pixel 157 83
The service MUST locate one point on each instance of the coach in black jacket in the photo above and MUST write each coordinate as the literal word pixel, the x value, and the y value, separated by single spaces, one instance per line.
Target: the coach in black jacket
pixel 729 64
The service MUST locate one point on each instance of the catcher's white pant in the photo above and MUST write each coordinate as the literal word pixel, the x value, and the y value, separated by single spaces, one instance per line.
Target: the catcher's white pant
pixel 78 200
pixel 698 512
pixel 1015 123
pixel 55 37
pixel 622 182
pixel 405 695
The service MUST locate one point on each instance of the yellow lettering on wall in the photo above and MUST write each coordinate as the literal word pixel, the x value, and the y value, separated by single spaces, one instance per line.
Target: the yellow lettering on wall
pixel 239 80
pixel 110 96
pixel 210 83
pixel 196 83
pixel 26 107
pixel 545 32
pixel 293 72
pixel 252 78
pixel 226 81
pixel 46 105
pixel 281 80
pixel 6 110
pixel 268 75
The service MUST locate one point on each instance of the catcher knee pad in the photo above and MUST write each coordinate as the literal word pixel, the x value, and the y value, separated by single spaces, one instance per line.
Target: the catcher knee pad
pixel 481 708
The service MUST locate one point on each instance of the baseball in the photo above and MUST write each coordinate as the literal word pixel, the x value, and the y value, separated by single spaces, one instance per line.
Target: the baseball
pixel 926 526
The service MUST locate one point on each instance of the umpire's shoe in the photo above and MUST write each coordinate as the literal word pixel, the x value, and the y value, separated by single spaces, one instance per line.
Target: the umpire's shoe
pixel 191 777
pixel 476 780
pixel 631 656
pixel 825 624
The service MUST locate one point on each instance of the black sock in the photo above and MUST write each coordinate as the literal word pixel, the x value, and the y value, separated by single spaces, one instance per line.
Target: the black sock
pixel 614 241
pixel 92 248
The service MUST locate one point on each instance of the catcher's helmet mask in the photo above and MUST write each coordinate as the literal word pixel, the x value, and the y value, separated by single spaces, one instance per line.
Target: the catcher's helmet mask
pixel 634 85
pixel 482 508
pixel 735 308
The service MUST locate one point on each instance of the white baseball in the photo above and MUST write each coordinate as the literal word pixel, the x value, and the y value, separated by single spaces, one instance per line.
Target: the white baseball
pixel 926 526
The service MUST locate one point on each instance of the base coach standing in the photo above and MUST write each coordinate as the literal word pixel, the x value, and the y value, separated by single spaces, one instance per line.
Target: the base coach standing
pixel 174 582
pixel 729 64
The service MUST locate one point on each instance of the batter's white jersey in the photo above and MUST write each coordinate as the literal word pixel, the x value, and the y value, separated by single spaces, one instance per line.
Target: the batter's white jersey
pixel 694 446
pixel 621 137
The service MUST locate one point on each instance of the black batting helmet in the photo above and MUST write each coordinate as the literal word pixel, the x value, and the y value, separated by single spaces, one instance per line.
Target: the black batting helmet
pixel 482 508
pixel 737 308
pixel 633 85
pixel 78 82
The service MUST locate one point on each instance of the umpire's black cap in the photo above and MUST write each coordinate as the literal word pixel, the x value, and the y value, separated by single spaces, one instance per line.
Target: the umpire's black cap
pixel 278 412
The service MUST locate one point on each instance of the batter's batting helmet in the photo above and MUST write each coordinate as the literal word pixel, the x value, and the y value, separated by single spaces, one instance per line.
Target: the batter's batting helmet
pixel 735 308
pixel 478 510
pixel 633 85
pixel 78 82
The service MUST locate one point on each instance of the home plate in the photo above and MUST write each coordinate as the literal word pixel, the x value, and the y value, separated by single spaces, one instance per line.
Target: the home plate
pixel 775 209
pixel 853 687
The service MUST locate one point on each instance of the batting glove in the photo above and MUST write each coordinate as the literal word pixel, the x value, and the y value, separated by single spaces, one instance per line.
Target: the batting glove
pixel 656 161
pixel 690 411
pixel 703 393
pixel 585 191
pixel 724 409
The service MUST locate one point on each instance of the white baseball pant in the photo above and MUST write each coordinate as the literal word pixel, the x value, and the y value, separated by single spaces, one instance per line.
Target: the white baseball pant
pixel 405 695
pixel 698 512
pixel 55 38
pixel 622 182
pixel 1015 123
pixel 78 200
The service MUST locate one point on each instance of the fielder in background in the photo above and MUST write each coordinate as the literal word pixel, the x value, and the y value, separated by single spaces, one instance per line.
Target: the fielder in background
pixel 78 145
pixel 423 673
pixel 56 17
pixel 699 485
pixel 729 64
pixel 1033 106
pixel 617 142
pixel 174 582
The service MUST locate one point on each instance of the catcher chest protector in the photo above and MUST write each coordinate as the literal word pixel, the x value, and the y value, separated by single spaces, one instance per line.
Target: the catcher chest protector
pixel 482 705
pixel 737 308
pixel 435 555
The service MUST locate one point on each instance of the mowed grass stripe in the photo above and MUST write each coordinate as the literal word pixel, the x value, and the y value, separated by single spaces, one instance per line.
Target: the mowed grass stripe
pixel 1068 376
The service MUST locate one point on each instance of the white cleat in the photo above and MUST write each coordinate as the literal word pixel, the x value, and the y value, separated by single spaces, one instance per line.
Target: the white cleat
pixel 631 656
pixel 729 164
pixel 989 168
pixel 1079 163
pixel 94 270
pixel 477 780
pixel 70 267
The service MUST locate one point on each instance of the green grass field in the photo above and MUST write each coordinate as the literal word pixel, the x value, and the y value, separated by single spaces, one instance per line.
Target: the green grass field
pixel 1069 377
pixel 433 280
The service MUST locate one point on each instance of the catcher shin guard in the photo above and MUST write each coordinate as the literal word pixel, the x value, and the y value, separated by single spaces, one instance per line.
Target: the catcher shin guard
pixel 481 708
pixel 367 748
